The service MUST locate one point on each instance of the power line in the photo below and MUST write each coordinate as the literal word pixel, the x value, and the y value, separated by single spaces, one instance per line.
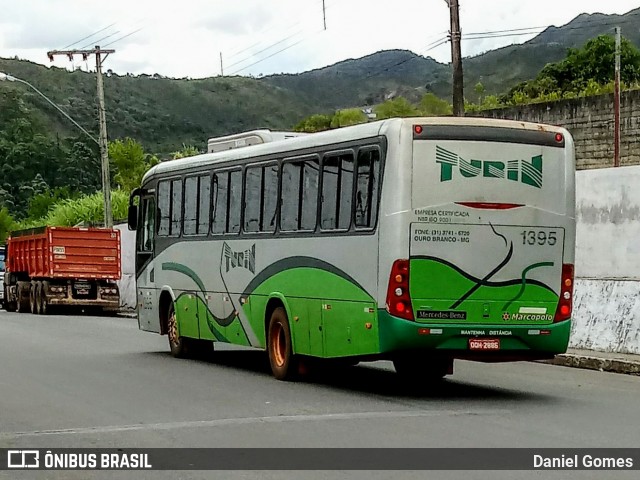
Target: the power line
pixel 93 42
pixel 88 36
pixel 235 53
pixel 514 32
pixel 275 53
pixel 509 30
pixel 266 48
pixel 124 36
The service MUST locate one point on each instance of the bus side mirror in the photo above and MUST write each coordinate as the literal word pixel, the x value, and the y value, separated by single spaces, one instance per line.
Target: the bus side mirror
pixel 132 217
pixel 132 214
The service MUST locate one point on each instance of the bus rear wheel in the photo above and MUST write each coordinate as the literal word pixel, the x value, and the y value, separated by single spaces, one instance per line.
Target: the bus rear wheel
pixel 284 364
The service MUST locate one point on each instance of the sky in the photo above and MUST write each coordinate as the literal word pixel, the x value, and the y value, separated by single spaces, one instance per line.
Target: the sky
pixel 259 37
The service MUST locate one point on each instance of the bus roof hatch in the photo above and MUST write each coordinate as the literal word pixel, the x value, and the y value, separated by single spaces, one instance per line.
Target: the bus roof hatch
pixel 246 139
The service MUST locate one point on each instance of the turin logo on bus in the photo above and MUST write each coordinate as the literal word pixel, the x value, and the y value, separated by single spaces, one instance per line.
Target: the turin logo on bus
pixel 245 259
pixel 529 173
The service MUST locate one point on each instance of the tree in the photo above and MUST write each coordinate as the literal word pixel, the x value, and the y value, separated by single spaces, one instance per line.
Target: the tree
pixel 349 116
pixel 186 151
pixel 41 204
pixel 314 123
pixel 480 90
pixel 7 224
pixel 398 107
pixel 430 105
pixel 580 72
pixel 130 162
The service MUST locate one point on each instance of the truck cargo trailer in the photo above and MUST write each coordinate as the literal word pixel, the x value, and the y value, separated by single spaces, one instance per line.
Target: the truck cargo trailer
pixel 54 267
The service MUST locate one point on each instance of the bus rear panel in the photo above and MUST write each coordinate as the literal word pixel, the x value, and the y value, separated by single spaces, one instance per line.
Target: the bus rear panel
pixel 489 272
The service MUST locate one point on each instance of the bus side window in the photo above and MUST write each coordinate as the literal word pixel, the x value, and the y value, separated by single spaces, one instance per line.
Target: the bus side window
pixel 176 207
pixel 290 202
pixel 299 199
pixel 252 199
pixel 367 184
pixel 346 191
pixel 309 209
pixel 220 202
pixel 269 198
pixel 235 201
pixel 190 205
pixel 337 190
pixel 204 204
pixel 164 207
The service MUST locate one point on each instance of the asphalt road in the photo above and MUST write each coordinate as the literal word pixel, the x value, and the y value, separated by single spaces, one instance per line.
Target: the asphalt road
pixel 78 381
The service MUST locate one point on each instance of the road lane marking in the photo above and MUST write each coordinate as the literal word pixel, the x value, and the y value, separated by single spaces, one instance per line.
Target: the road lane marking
pixel 253 420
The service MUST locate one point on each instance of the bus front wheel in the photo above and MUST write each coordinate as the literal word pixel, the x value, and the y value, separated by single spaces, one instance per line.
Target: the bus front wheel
pixel 177 344
pixel 284 364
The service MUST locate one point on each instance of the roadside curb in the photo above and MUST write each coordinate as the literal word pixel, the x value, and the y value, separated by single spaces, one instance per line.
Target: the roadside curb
pixel 615 365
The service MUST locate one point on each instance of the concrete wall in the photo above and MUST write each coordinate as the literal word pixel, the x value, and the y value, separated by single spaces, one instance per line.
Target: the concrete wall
pixel 607 301
pixel 590 121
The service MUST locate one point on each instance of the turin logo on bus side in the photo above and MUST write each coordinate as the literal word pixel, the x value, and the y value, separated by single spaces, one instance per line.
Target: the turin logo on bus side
pixel 529 173
pixel 245 259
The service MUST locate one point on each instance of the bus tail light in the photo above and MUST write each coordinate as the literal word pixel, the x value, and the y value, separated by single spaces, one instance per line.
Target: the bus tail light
pixel 565 305
pixel 398 298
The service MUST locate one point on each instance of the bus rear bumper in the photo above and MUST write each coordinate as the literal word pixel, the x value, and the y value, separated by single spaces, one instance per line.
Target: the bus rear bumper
pixel 514 342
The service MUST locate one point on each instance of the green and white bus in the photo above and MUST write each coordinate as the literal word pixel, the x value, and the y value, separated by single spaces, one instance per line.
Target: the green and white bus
pixel 417 240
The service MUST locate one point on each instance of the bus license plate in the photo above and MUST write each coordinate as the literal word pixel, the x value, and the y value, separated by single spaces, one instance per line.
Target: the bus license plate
pixel 484 344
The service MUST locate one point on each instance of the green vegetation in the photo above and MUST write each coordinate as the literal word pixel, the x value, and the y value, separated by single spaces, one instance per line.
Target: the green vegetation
pixel 585 71
pixel 130 162
pixel 88 209
pixel 429 105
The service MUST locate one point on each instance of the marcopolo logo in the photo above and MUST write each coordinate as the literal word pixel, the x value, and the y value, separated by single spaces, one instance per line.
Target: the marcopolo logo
pixel 245 259
pixel 529 173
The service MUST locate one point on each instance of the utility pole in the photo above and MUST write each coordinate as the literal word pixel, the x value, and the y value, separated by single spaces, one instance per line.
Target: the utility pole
pixel 616 104
pixel 456 59
pixel 324 15
pixel 102 120
pixel 221 67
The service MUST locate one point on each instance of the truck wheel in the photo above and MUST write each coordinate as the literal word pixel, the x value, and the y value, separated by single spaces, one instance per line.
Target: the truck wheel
pixel 8 306
pixel 23 297
pixel 32 298
pixel 39 295
pixel 44 303
pixel 284 364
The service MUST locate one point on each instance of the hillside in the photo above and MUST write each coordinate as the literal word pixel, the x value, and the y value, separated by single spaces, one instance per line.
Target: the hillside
pixel 165 113
pixel 162 113
pixel 367 80
pixel 501 68
pixel 364 81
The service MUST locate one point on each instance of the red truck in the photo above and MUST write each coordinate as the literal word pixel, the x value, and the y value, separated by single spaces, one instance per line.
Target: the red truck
pixel 54 267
